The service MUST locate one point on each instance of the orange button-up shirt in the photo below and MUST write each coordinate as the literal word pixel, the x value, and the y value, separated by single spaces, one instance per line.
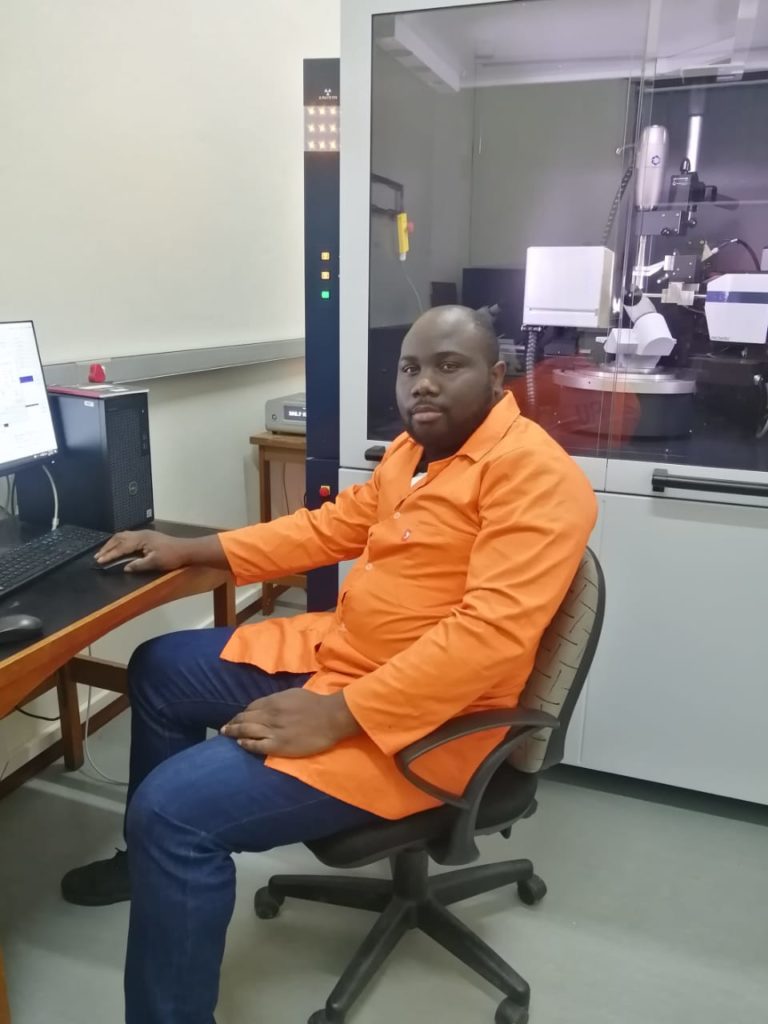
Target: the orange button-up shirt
pixel 456 578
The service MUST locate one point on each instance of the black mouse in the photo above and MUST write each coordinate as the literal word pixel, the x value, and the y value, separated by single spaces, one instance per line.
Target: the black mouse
pixel 14 628
pixel 117 564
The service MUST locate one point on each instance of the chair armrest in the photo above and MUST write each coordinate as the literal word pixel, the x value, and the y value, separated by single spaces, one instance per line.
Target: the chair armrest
pixel 466 725
pixel 459 847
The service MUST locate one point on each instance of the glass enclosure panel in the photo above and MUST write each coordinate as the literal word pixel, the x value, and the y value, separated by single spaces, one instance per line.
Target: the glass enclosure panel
pixel 597 174
pixel 497 128
pixel 690 378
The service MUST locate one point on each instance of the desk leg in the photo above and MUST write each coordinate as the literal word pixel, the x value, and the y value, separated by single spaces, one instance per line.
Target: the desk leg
pixel 5 1010
pixel 265 510
pixel 69 710
pixel 267 598
pixel 224 611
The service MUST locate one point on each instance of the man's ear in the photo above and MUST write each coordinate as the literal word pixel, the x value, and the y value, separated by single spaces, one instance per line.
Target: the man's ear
pixel 498 372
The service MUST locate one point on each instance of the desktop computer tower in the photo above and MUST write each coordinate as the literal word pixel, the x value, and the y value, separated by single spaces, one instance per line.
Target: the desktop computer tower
pixel 103 471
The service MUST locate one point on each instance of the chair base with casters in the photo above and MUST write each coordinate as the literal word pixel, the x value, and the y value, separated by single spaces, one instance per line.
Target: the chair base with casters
pixel 414 899
pixel 500 792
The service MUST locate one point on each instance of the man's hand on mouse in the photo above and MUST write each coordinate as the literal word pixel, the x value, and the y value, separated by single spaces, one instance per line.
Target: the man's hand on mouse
pixel 156 552
pixel 292 723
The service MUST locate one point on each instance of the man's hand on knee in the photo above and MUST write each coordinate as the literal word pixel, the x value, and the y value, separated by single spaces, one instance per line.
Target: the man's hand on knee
pixel 293 723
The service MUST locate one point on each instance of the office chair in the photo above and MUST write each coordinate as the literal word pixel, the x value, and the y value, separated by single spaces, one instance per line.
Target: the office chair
pixel 501 791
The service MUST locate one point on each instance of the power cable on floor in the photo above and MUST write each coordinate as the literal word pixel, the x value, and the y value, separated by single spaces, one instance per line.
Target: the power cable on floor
pixel 88 758
pixel 39 718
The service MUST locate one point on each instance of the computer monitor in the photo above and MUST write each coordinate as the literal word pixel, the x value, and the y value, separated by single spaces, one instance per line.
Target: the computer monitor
pixel 26 427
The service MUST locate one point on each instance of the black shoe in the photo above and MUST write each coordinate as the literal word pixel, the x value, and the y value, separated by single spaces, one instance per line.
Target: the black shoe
pixel 98 884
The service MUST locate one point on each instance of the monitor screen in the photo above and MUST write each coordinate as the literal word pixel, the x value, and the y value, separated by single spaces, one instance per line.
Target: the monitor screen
pixel 26 427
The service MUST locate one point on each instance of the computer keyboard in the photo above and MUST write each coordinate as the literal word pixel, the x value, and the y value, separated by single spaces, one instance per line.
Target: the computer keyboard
pixel 35 558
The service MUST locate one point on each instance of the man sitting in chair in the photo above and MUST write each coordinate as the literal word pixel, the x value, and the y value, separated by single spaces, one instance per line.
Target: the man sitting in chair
pixel 467 537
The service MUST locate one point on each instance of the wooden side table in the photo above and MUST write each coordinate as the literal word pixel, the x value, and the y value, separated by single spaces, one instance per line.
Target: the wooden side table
pixel 285 448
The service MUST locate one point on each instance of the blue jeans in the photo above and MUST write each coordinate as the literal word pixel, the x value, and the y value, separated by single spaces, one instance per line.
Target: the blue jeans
pixel 192 802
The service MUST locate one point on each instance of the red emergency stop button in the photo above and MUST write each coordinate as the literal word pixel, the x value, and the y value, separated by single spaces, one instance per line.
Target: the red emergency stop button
pixel 324 491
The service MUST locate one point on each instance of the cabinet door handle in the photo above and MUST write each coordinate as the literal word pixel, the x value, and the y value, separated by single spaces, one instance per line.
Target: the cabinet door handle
pixel 662 478
pixel 375 453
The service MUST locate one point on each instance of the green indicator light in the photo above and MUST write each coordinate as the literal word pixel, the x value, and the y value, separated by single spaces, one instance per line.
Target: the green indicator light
pixel 325 295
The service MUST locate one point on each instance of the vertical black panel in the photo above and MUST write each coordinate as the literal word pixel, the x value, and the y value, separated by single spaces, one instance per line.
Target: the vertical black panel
pixel 322 584
pixel 321 236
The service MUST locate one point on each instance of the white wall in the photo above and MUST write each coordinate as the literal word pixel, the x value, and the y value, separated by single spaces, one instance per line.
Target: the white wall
pixel 202 462
pixel 203 466
pixel 151 169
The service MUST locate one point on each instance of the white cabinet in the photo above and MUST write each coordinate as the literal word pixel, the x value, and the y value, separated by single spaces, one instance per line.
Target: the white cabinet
pixel 678 692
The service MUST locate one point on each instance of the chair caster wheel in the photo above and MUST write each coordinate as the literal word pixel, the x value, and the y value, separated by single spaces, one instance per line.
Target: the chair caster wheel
pixel 532 891
pixel 510 1012
pixel 266 904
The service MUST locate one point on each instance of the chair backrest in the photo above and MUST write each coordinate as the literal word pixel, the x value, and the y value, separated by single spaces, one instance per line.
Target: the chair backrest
pixel 562 663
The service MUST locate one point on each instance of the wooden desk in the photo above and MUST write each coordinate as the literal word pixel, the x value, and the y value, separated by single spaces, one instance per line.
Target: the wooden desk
pixel 79 604
pixel 285 448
